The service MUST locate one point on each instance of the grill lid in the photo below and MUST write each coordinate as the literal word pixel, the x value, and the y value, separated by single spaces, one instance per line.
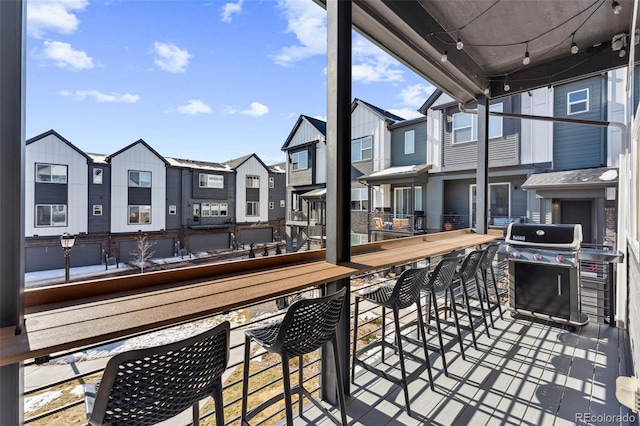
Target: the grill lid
pixel 552 236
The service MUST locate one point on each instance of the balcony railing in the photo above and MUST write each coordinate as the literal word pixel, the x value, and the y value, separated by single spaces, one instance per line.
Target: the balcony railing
pixel 393 223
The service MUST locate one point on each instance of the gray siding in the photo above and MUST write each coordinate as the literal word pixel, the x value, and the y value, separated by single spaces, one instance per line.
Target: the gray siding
pixel 100 194
pixel 51 193
pixel 578 147
pixel 174 197
pixel 139 196
pixel 52 257
pixel 162 248
pixel 277 193
pixel 503 151
pixel 192 193
pixel 211 193
pixel 209 241
pixel 305 176
pixel 398 157
pixel 256 236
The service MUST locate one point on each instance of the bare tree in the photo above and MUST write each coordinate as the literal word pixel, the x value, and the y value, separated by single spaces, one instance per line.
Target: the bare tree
pixel 142 252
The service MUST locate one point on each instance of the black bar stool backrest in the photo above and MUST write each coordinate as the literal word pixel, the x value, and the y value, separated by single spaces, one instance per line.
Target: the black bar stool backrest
pixel 309 324
pixel 490 254
pixel 442 276
pixel 147 386
pixel 407 289
pixel 470 265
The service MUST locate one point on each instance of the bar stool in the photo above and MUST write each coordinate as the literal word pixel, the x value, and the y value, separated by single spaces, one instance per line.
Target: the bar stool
pixel 466 277
pixel 148 386
pixel 486 265
pixel 440 280
pixel 405 293
pixel 307 325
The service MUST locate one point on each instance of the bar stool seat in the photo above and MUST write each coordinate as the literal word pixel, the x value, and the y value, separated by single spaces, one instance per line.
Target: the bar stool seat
pixel 306 327
pixel 405 293
pixel 148 386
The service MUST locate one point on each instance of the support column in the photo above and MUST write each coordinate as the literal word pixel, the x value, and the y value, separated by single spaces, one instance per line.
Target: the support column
pixel 338 177
pixel 12 141
pixel 482 174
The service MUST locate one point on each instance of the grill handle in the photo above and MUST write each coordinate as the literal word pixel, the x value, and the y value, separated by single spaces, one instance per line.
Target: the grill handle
pixel 559 285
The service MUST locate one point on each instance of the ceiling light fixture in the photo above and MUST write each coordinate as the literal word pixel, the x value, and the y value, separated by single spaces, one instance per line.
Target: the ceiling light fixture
pixel 622 53
pixel 616 7
pixel 443 58
pixel 574 46
pixel 459 44
pixel 506 85
pixel 526 60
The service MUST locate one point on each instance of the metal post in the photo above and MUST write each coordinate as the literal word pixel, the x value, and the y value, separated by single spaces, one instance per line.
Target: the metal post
pixel 338 177
pixel 66 265
pixel 482 174
pixel 12 151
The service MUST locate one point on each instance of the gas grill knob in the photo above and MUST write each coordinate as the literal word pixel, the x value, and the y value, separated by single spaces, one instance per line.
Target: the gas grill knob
pixel 537 256
pixel 560 258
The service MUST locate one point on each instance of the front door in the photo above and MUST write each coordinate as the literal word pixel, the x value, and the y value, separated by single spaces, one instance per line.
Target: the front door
pixel 578 211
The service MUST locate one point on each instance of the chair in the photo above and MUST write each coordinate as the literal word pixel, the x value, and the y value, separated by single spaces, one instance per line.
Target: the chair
pixel 307 325
pixel 440 280
pixel 405 293
pixel 486 266
pixel 148 386
pixel 466 276
pixel 377 223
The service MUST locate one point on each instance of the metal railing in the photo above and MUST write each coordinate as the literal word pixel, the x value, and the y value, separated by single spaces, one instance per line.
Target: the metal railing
pixel 404 223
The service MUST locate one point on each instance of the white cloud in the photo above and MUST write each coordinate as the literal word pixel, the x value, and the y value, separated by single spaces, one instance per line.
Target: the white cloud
pixel 372 65
pixel 170 57
pixel 65 56
pixel 230 9
pixel 194 107
pixel 416 95
pixel 256 110
pixel 406 113
pixel 81 95
pixel 53 15
pixel 308 22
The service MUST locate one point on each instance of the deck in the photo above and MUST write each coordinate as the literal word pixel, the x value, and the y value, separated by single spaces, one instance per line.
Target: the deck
pixel 528 373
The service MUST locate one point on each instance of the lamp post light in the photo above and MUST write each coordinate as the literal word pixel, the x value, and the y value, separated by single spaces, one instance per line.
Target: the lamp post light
pixel 67 241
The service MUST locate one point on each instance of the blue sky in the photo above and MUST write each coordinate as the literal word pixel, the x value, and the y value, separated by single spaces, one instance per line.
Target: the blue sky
pixel 206 80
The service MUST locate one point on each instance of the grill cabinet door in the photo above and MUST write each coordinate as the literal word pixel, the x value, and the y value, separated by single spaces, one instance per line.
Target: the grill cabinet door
pixel 543 289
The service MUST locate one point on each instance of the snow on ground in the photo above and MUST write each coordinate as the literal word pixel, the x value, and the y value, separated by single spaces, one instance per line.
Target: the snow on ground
pixel 34 403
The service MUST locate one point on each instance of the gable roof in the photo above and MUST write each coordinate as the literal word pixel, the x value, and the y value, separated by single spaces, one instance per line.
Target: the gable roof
pixel 430 101
pixel 195 164
pixel 139 141
pixel 278 168
pixel 237 162
pixel 573 179
pixel 384 114
pixel 319 125
pixel 57 135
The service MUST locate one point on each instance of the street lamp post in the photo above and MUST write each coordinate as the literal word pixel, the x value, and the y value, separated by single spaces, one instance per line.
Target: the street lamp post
pixel 67 241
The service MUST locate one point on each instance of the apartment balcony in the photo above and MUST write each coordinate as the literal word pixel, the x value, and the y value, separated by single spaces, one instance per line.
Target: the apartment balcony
pixel 526 372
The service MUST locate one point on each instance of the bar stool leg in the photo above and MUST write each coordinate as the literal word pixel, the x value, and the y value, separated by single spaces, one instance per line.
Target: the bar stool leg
pixel 455 317
pixel 300 381
pixel 484 314
pixel 405 387
pixel 217 399
pixel 421 327
pixel 286 378
pixel 245 379
pixel 355 340
pixel 495 288
pixel 466 303
pixel 384 330
pixel 437 315
pixel 336 359
pixel 486 293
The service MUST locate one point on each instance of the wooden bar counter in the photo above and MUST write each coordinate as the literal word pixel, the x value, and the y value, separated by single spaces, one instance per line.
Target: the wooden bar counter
pixel 73 315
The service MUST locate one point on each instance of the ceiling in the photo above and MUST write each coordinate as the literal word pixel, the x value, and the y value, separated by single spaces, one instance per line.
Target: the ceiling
pixel 495 35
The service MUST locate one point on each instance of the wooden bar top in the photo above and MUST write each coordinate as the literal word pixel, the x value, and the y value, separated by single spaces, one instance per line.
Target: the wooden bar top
pixel 68 316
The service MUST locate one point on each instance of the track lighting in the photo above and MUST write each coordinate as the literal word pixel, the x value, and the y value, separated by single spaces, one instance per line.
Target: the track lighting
pixel 443 58
pixel 616 7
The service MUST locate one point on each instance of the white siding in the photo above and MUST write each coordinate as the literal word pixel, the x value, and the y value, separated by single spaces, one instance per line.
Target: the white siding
pixel 137 157
pixel 537 136
pixel 321 162
pixel 251 167
pixel 51 150
pixel 616 85
pixel 365 122
pixel 307 133
pixel 304 134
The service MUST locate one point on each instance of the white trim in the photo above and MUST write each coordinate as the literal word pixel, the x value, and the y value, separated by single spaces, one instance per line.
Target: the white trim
pixel 569 103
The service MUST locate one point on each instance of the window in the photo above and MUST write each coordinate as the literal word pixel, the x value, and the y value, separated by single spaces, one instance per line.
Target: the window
pixel 359 199
pixel 196 212
pixel 211 181
pixel 465 125
pixel 206 209
pixel 51 173
pixel 253 181
pixel 499 201
pixel 299 160
pixel 578 101
pixel 402 201
pixel 173 209
pixel 97 176
pixel 51 215
pixel 271 205
pixel 282 203
pixel 272 182
pixel 224 208
pixel 139 215
pixel 253 208
pixel 362 149
pixel 139 179
pixel 410 142
pixel 97 209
